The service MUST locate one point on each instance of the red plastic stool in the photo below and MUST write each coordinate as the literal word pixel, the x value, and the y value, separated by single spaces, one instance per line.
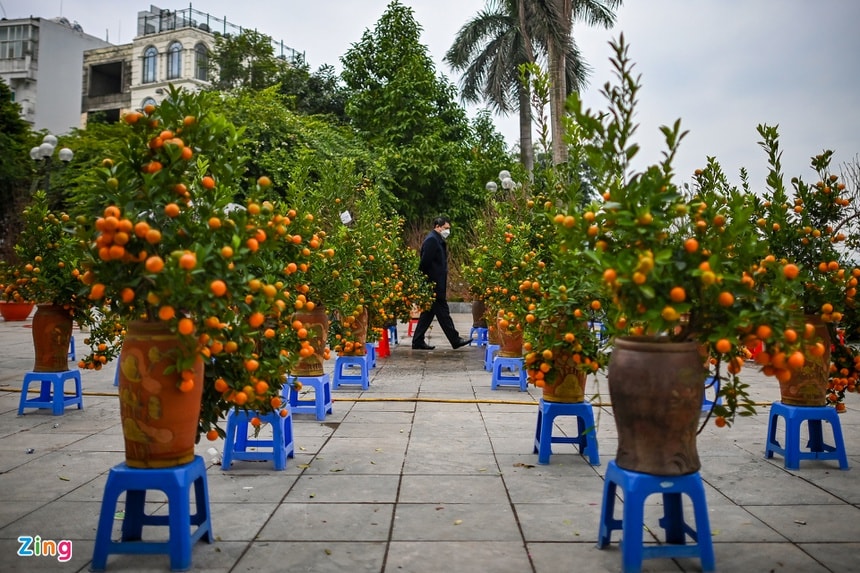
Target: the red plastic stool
pixel 413 322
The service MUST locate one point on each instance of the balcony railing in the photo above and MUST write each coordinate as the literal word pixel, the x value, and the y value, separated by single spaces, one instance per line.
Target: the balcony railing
pixel 168 20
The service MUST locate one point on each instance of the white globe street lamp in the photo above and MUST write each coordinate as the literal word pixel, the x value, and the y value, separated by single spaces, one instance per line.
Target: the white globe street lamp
pixel 505 179
pixel 45 151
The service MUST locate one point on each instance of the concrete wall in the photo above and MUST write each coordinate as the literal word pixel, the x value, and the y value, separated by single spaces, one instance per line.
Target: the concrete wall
pixel 59 82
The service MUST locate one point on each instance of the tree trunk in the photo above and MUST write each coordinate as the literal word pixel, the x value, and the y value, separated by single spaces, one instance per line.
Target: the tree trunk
pixel 558 89
pixel 527 152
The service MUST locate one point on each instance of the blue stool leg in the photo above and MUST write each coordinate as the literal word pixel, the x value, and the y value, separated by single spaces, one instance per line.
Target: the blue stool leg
pixel 632 525
pixel 179 505
pixel 537 430
pixel 588 437
pixel 703 529
pixel 545 422
pixel 59 401
pixel 672 521
pixel 279 454
pixel 839 443
pixel 132 525
pixel 105 527
pixel 201 506
pixel 79 392
pixel 816 436
pixel 289 443
pixel 608 523
pixel 319 405
pixel 229 439
pixel 792 443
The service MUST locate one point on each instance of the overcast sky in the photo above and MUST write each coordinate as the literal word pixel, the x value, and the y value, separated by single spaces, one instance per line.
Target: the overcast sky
pixel 721 66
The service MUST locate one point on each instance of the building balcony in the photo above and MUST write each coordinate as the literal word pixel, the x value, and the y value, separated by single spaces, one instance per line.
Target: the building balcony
pixel 18 68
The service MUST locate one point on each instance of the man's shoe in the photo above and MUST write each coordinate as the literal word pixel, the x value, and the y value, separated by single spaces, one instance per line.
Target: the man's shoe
pixel 422 346
pixel 462 342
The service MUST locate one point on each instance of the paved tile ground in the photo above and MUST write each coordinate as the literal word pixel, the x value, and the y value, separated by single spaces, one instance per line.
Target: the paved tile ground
pixel 428 470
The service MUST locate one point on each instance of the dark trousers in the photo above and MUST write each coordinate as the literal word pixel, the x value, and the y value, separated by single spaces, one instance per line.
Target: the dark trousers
pixel 443 314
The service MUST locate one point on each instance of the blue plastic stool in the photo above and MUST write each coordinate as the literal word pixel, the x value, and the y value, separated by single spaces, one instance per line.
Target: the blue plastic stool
pixel 818 450
pixel 343 364
pixel 72 348
pixel 515 377
pixel 51 394
pixel 489 355
pixel 712 383
pixel 478 335
pixel 116 376
pixel 176 483
pixel 636 488
pixel 392 334
pixel 586 438
pixel 598 328
pixel 237 442
pixel 320 405
pixel 370 354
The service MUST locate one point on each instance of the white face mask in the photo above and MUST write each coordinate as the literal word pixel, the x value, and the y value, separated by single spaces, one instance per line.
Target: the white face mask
pixel 445 233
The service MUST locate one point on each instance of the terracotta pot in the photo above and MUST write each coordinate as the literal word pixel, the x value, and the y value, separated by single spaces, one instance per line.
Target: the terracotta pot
pixel 52 333
pixel 479 312
pixel 656 388
pixel 510 342
pixel 356 332
pixel 316 323
pixel 15 311
pixel 808 385
pixel 569 383
pixel 159 422
pixel 493 334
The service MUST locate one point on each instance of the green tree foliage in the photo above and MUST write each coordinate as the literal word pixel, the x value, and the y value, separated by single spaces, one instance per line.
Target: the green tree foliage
pixel 409 116
pixel 15 169
pixel 281 142
pixel 246 60
pixel 312 93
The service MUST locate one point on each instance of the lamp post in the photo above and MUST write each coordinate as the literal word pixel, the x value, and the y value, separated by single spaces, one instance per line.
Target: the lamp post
pixel 44 154
pixel 505 179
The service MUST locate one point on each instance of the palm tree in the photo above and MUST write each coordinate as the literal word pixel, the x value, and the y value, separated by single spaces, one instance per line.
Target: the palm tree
pixel 557 17
pixel 490 48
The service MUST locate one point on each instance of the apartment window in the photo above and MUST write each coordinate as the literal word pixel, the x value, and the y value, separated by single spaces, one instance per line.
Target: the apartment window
pixel 150 64
pixel 174 60
pixel 14 42
pixel 147 101
pixel 201 62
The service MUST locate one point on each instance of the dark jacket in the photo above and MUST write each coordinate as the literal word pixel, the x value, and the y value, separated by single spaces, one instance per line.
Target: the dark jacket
pixel 434 262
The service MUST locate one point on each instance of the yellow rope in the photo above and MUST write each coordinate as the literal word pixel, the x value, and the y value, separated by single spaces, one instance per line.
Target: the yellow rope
pixel 396 399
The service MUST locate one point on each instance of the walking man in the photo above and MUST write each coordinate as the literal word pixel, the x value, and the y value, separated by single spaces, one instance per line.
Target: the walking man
pixel 434 264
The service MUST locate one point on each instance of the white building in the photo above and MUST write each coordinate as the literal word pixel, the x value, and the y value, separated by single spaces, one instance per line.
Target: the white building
pixel 41 61
pixel 171 47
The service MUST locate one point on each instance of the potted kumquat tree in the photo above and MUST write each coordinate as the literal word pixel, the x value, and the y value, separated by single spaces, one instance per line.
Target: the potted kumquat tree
pixel 193 267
